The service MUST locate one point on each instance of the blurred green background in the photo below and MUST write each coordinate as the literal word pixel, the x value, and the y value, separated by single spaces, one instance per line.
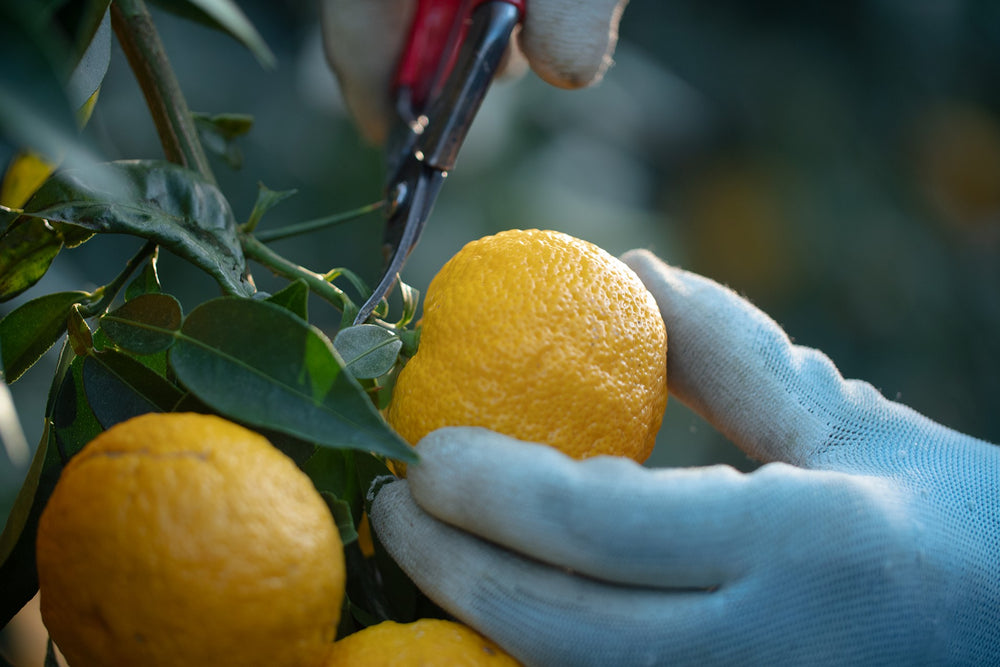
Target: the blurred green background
pixel 837 163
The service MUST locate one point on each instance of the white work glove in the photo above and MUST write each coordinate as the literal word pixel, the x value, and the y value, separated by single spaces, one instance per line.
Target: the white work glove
pixel 568 43
pixel 872 537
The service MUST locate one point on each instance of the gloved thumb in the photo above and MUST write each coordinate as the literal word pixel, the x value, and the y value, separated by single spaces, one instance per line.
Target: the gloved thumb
pixel 569 43
pixel 732 364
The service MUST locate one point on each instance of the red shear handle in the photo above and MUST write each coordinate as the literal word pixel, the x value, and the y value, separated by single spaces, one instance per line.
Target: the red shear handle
pixel 436 34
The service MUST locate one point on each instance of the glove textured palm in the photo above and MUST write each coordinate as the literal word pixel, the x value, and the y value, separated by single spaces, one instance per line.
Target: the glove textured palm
pixel 871 536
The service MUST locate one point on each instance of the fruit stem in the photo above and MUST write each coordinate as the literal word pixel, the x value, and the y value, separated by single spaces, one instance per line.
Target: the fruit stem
pixel 260 253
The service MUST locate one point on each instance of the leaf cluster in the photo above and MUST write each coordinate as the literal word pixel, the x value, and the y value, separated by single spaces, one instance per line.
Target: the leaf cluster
pixel 128 348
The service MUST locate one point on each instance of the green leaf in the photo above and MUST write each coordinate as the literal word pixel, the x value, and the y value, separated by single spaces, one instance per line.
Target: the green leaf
pixel 147 282
pixel 69 426
pixel 266 200
pixel 144 325
pixel 258 363
pixel 294 298
pixel 73 421
pixel 81 338
pixel 332 470
pixel 29 331
pixel 411 299
pixel 17 543
pixel 19 513
pixel 218 135
pixel 27 249
pixel 226 16
pixel 294 448
pixel 169 204
pixel 368 350
pixel 118 388
pixel 341 511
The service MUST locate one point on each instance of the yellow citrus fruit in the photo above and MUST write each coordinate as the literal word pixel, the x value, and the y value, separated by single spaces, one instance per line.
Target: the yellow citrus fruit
pixel 543 337
pixel 424 643
pixel 185 539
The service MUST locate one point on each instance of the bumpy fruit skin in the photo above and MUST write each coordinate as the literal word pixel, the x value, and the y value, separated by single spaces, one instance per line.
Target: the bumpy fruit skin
pixel 542 337
pixel 424 643
pixel 185 539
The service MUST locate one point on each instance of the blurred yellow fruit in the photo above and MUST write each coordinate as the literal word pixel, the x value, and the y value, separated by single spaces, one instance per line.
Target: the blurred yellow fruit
pixel 25 174
pixel 424 643
pixel 543 337
pixel 185 539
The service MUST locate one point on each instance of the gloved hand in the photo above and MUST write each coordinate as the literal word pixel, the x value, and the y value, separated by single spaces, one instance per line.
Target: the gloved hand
pixel 872 537
pixel 568 43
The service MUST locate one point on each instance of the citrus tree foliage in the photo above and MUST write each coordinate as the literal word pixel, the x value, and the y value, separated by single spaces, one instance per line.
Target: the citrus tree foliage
pixel 128 347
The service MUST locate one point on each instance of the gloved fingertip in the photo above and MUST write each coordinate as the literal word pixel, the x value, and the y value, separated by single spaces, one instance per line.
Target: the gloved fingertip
pixel 386 502
pixel 640 257
pixel 569 44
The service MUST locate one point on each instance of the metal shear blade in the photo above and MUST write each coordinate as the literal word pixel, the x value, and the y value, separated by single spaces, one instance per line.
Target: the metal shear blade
pixel 426 141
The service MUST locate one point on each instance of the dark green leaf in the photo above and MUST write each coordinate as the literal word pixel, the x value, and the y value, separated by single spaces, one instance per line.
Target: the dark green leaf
pixel 119 387
pixel 21 509
pixel 17 543
pixel 69 426
pixel 333 470
pixel 258 363
pixel 368 350
pixel 266 200
pixel 7 217
pixel 218 135
pixel 294 298
pixel 27 248
pixel 341 511
pixel 297 449
pixel 81 338
pixel 226 16
pixel 294 448
pixel 156 200
pixel 29 331
pixel 368 468
pixel 72 419
pixel 145 324
pixel 147 282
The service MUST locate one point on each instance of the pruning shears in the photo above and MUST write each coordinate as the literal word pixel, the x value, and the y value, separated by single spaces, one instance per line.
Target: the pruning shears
pixel 453 52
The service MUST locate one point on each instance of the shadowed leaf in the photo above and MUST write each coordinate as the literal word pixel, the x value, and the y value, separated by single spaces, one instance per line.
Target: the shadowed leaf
pixel 260 364
pixel 29 331
pixel 163 202
pixel 145 324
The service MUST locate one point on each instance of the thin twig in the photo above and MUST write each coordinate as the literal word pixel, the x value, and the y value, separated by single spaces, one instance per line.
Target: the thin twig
pixel 260 253
pixel 109 291
pixel 317 224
